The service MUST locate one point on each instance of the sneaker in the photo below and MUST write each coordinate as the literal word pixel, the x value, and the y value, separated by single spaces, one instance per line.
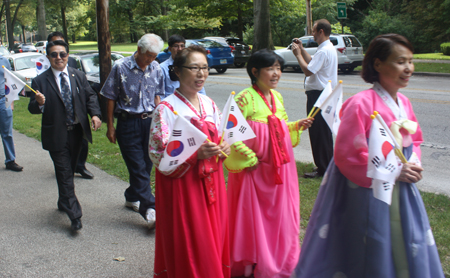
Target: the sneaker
pixel 151 218
pixel 133 205
pixel 13 166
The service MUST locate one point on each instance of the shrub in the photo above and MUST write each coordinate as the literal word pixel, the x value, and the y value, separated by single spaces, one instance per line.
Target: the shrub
pixel 445 48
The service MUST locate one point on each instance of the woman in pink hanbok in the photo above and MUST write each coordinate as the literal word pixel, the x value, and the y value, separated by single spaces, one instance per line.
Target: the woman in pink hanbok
pixel 191 202
pixel 263 192
pixel 353 231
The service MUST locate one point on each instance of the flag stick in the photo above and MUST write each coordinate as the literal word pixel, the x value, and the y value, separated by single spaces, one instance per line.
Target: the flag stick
pixel 223 131
pixel 397 149
pixel 220 151
pixel 176 113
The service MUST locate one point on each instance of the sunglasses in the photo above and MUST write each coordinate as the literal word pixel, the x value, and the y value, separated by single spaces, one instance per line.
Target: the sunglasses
pixel 62 54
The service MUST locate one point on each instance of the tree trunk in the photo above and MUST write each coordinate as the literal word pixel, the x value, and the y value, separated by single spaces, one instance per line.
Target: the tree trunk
pixel 104 48
pixel 40 18
pixel 263 36
pixel 64 23
pixel 164 12
pixel 240 30
pixel 308 17
pixel 10 28
pixel 23 34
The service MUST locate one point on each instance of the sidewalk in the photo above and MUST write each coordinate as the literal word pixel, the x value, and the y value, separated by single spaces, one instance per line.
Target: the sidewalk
pixel 36 240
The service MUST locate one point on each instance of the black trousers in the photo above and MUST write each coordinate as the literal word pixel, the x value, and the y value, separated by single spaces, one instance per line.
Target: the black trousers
pixel 83 155
pixel 65 161
pixel 320 135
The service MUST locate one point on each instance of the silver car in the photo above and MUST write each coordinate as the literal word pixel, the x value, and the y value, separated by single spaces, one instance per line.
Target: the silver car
pixel 23 66
pixel 349 51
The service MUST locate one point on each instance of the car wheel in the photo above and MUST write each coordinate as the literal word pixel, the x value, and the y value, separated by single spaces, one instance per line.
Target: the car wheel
pixel 347 70
pixel 221 70
pixel 239 65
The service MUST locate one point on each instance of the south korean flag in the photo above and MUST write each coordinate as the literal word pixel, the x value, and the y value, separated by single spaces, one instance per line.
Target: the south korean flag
pixel 185 140
pixel 383 165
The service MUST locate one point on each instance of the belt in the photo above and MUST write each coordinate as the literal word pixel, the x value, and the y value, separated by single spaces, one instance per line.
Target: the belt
pixel 124 115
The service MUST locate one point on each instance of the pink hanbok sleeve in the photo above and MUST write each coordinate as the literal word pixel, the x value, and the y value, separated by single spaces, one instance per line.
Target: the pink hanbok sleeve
pixel 351 149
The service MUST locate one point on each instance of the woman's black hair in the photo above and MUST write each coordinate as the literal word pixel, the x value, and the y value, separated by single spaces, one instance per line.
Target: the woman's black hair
pixel 381 48
pixel 181 58
pixel 262 59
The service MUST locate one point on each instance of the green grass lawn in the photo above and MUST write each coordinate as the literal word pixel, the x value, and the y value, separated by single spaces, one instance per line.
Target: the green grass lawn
pixel 426 67
pixel 432 56
pixel 92 45
pixel 107 157
pixel 420 67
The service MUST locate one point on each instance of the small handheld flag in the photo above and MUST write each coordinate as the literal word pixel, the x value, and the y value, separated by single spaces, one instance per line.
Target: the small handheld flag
pixel 383 165
pixel 331 108
pixel 234 126
pixel 42 64
pixel 185 140
pixel 13 86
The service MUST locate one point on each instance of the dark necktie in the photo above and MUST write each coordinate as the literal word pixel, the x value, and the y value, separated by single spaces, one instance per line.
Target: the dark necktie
pixel 67 97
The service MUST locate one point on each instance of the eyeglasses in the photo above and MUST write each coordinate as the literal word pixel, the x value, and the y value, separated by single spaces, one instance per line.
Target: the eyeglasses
pixel 197 69
pixel 62 54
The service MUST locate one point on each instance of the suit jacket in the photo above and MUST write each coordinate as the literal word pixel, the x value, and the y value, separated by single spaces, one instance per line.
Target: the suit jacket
pixel 54 129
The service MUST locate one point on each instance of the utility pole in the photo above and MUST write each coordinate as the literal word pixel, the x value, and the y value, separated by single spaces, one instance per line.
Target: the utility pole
pixel 104 47
pixel 308 17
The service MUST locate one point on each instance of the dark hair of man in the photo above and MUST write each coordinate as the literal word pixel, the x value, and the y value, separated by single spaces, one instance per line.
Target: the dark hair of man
pixel 54 34
pixel 181 58
pixel 53 43
pixel 174 39
pixel 262 59
pixel 323 24
pixel 381 48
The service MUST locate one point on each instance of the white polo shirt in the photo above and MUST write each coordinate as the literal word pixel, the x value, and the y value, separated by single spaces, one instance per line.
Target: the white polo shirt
pixel 324 66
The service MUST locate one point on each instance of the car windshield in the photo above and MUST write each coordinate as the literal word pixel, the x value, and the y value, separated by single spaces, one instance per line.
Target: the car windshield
pixel 91 64
pixel 206 44
pixel 3 51
pixel 27 62
pixel 27 46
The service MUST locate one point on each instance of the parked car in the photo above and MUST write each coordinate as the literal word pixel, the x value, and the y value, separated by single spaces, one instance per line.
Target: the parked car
pixel 41 46
pixel 349 50
pixel 4 51
pixel 163 55
pixel 89 63
pixel 219 56
pixel 240 49
pixel 23 66
pixel 22 47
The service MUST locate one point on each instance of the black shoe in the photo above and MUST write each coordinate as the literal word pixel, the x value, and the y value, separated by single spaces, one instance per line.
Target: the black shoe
pixel 76 224
pixel 13 166
pixel 85 174
pixel 312 175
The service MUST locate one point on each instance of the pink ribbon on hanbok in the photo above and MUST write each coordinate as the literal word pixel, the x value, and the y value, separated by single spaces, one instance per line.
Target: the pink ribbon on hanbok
pixel 207 166
pixel 276 132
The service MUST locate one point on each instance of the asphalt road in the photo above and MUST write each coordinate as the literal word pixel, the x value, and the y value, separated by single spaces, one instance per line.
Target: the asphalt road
pixel 35 238
pixel 428 93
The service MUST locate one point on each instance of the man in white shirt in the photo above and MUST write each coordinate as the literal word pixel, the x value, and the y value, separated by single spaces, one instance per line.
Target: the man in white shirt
pixel 319 70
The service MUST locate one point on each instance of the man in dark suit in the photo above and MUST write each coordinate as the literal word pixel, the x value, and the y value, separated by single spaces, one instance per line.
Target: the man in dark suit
pixel 64 98
pixel 81 164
